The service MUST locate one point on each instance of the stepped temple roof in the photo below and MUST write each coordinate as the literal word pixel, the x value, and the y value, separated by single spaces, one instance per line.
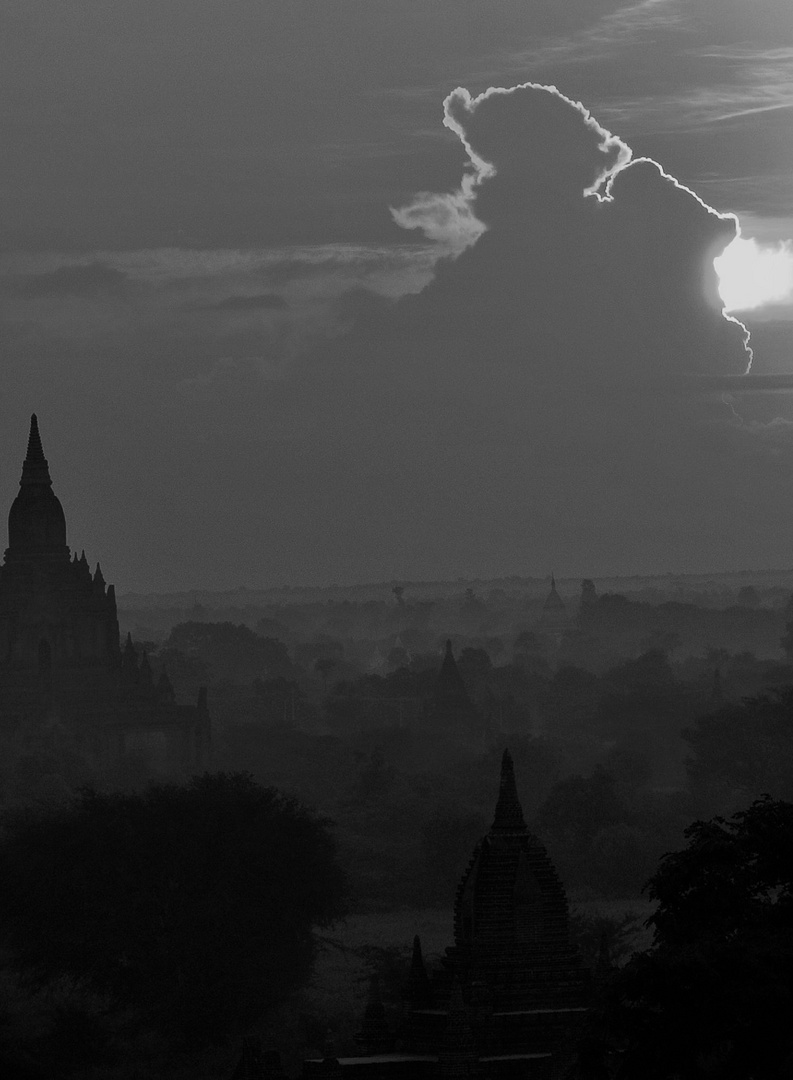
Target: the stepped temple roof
pixel 510 997
pixel 60 653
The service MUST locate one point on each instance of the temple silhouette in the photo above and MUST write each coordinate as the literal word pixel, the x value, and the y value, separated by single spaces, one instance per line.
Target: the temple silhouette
pixel 449 709
pixel 510 998
pixel 66 686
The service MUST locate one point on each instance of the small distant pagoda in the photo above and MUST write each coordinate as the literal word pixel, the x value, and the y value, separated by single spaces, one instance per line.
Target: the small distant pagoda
pixel 449 715
pixel 554 619
pixel 65 683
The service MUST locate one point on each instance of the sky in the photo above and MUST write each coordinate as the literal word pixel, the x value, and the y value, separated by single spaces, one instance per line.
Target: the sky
pixel 361 290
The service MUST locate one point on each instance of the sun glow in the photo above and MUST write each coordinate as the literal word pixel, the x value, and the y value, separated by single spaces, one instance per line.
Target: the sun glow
pixel 752 275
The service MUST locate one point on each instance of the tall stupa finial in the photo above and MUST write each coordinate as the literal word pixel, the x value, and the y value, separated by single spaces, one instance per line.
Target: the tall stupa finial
pixel 35 470
pixel 509 813
pixel 36 523
pixel 35 450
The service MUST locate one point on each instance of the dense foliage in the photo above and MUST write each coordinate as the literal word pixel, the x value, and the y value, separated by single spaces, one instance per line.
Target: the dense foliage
pixel 193 905
pixel 714 995
pixel 743 749
pixel 229 651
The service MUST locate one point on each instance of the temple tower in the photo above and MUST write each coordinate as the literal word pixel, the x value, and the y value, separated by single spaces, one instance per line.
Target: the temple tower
pixel 511 920
pixel 511 998
pixel 61 664
pixel 450 717
pixel 554 619
pixel 55 616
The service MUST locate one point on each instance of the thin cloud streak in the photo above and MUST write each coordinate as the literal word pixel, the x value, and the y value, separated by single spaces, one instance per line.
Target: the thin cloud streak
pixel 606 37
pixel 713 83
pixel 752 111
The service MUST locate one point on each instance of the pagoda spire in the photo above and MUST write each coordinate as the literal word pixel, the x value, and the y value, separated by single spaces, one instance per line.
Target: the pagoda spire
pixel 36 522
pixel 509 813
pixel 129 661
pixel 449 685
pixel 553 601
pixel 144 672
pixel 375 1036
pixel 419 989
pixel 35 469
pixel 35 449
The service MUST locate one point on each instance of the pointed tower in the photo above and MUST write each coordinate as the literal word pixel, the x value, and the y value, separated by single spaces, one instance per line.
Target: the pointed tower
pixel 129 662
pixel 450 713
pixel 450 689
pixel 508 818
pixel 146 677
pixel 36 522
pixel 553 601
pixel 375 1035
pixel 54 618
pixel 98 582
pixel 418 992
pixel 554 619
pixel 511 997
pixel 511 921
pixel 60 650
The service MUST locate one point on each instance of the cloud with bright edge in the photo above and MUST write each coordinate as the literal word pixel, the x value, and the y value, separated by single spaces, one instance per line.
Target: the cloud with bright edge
pixel 457 220
pixel 544 372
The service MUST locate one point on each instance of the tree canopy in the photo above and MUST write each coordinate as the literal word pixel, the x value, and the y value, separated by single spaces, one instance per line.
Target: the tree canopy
pixel 231 651
pixel 714 995
pixel 193 905
pixel 742 750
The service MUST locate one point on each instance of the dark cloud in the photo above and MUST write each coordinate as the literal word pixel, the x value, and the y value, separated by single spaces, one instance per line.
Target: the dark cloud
pixel 534 402
pixel 597 267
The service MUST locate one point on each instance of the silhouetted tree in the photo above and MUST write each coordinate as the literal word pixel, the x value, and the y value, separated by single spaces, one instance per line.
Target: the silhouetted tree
pixel 712 997
pixel 324 667
pixel 280 699
pixel 571 701
pixel 579 807
pixel 231 651
pixel 663 641
pixel 475 666
pixel 398 657
pixel 375 779
pixel 192 905
pixel 748 596
pixel 589 594
pixel 473 608
pixel 742 750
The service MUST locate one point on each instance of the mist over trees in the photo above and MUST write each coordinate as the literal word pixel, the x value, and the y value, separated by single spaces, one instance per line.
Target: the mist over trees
pixel 328 700
pixel 628 719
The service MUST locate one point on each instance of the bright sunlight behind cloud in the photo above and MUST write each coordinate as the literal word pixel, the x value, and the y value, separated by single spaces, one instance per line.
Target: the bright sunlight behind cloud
pixel 752 275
